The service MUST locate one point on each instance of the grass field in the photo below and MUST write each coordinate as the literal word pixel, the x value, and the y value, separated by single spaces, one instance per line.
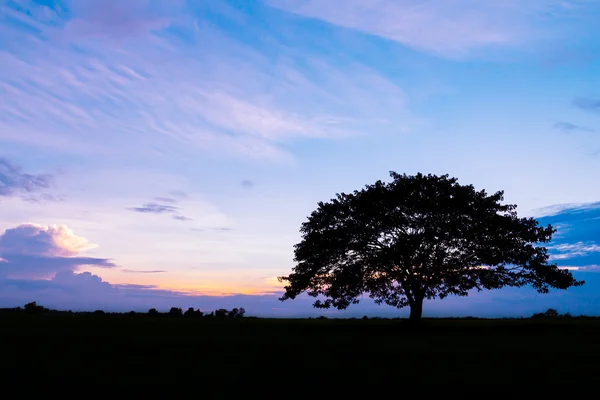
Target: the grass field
pixel 130 349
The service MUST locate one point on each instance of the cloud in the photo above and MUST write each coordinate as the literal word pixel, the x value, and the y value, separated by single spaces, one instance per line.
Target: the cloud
pixel 179 193
pixel 154 208
pixel 148 94
pixel 445 27
pixel 577 240
pixel 570 250
pixel 587 268
pixel 223 229
pixel 182 218
pixel 587 104
pixel 246 184
pixel 131 271
pixel 568 127
pixel 165 199
pixel 42 198
pixel 14 181
pixel 31 250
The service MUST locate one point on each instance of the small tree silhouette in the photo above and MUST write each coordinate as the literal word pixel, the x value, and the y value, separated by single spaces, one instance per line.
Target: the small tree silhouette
pixel 33 308
pixel 551 312
pixel 236 313
pixel 175 312
pixel 190 313
pixel 152 312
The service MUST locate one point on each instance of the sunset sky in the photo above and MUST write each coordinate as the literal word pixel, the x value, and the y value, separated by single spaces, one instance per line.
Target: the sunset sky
pixel 164 153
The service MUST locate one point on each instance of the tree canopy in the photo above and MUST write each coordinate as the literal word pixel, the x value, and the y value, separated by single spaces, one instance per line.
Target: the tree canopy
pixel 418 237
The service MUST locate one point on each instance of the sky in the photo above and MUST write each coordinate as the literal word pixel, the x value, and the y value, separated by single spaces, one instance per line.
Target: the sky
pixel 158 153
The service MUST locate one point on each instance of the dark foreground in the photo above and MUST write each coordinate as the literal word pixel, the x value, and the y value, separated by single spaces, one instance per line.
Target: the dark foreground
pixel 301 353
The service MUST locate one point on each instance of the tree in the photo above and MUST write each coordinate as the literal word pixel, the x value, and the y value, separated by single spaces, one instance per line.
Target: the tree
pixel 418 237
pixel 193 313
pixel 551 312
pixel 175 312
pixel 33 308
pixel 236 313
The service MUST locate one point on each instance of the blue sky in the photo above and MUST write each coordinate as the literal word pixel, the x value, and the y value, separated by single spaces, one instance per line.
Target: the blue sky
pixel 158 153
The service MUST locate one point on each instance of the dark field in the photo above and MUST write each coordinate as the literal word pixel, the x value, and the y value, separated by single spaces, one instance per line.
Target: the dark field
pixel 141 349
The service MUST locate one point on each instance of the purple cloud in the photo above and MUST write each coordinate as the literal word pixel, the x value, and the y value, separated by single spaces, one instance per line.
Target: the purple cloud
pixel 14 181
pixel 182 218
pixel 154 208
pixel 37 251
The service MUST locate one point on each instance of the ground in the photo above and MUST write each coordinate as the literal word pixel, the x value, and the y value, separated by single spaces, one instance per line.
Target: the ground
pixel 269 352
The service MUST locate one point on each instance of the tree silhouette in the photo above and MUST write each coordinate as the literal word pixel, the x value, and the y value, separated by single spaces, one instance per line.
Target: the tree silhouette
pixel 236 313
pixel 175 312
pixel 551 312
pixel 418 237
pixel 193 313
pixel 34 308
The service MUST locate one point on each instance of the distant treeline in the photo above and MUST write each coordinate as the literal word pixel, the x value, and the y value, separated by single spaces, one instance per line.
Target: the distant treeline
pixel 221 313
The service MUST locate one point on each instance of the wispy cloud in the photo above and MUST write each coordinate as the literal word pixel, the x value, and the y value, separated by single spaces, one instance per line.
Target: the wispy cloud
pixel 587 104
pixel 154 208
pixel 131 271
pixel 180 194
pixel 576 242
pixel 218 229
pixel 117 19
pixel 182 218
pixel 558 210
pixel 568 127
pixel 14 181
pixel 32 250
pixel 165 199
pixel 570 250
pixel 197 89
pixel 445 27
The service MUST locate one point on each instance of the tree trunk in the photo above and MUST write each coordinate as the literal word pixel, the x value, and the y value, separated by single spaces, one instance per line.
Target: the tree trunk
pixel 416 311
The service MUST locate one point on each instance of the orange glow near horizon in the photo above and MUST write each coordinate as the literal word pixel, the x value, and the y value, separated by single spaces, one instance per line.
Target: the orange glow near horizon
pixel 211 285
